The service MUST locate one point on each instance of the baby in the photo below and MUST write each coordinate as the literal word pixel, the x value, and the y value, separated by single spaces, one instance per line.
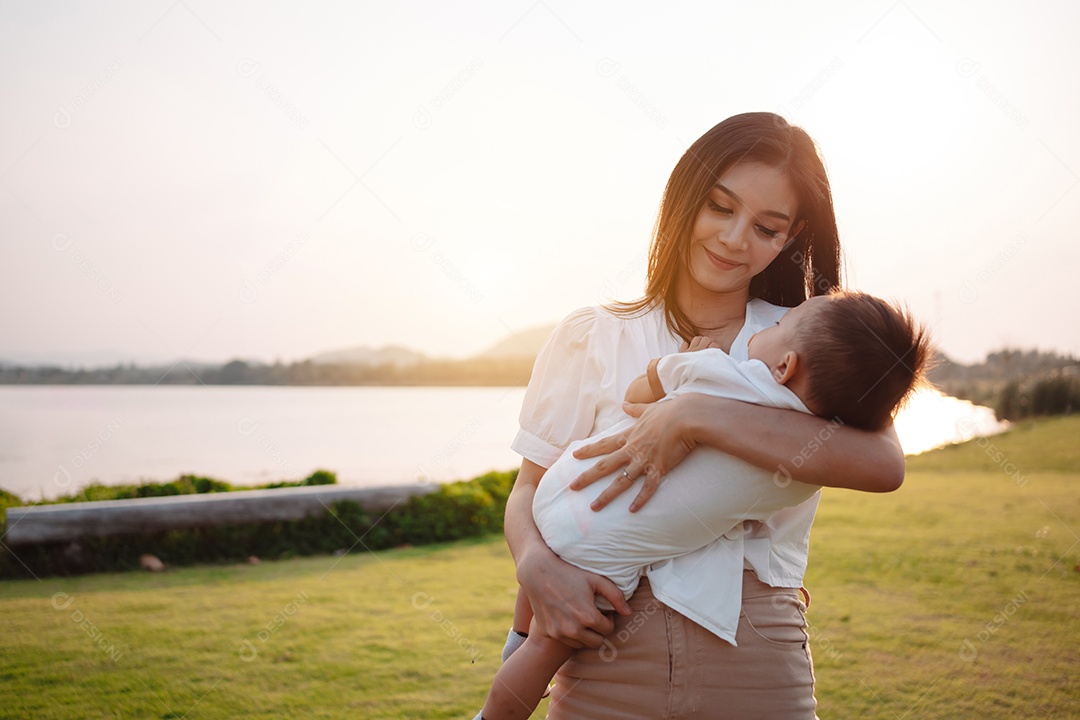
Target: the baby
pixel 847 356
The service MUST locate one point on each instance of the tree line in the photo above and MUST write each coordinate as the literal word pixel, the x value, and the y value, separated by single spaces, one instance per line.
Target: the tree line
pixel 472 372
pixel 1015 383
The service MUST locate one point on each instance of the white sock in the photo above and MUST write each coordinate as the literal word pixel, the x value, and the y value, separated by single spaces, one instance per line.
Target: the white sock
pixel 513 642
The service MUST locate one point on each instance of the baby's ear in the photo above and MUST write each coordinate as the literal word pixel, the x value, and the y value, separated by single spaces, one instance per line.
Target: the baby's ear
pixel 785 369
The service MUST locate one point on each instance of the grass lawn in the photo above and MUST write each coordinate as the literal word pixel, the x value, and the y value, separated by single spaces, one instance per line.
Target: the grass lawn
pixel 957 596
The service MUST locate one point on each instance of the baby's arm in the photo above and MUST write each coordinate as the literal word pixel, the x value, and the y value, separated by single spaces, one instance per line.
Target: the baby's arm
pixel 646 388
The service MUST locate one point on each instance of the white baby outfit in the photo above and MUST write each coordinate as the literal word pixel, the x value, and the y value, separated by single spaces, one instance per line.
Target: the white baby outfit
pixel 713 514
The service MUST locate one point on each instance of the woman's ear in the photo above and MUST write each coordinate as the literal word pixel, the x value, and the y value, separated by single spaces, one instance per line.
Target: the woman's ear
pixel 785 369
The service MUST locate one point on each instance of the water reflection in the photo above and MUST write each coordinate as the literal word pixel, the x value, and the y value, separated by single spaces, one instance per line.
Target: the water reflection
pixel 55 440
pixel 932 419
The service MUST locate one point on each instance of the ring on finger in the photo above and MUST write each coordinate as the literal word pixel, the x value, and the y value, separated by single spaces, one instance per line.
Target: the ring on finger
pixel 627 475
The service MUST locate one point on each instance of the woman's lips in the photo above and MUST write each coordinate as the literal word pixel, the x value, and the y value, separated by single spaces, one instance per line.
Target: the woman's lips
pixel 720 262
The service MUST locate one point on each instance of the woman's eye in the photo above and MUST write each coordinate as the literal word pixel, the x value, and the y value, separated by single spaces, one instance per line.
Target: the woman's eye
pixel 718 208
pixel 767 233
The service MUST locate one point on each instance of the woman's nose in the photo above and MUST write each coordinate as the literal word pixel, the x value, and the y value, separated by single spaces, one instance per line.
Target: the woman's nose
pixel 736 235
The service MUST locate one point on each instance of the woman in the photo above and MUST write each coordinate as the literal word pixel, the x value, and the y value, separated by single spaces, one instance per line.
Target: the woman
pixel 746 229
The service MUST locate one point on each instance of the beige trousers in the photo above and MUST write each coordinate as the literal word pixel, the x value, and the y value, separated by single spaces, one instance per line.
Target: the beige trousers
pixel 658 665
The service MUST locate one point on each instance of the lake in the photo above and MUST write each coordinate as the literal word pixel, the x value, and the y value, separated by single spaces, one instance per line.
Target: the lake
pixel 57 439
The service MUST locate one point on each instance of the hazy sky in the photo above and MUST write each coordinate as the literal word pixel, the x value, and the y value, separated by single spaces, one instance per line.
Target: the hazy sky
pixel 248 179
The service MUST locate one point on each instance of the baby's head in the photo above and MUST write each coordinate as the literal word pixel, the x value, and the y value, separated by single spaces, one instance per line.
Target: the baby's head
pixel 847 355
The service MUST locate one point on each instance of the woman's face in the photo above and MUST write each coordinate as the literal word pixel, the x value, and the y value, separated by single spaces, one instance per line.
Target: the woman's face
pixel 741 228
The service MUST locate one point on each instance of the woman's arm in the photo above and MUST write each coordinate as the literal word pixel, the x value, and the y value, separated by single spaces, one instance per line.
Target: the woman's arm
pixel 808 448
pixel 563 597
pixel 795 445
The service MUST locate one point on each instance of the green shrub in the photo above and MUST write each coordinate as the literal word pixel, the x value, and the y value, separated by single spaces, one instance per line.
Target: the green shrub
pixel 454 511
pixel 1058 394
pixel 184 485
pixel 7 500
pixel 319 477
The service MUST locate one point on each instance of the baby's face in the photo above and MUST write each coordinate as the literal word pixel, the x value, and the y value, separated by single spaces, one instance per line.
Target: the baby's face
pixel 771 344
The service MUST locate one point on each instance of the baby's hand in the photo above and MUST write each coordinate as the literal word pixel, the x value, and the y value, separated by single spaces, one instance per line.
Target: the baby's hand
pixel 699 343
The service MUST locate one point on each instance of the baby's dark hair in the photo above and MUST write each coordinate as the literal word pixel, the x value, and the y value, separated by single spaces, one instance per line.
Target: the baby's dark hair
pixel 863 357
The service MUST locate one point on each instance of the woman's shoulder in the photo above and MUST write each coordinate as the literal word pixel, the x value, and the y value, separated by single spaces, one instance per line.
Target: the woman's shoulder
pixel 578 325
pixel 573 333
pixel 600 321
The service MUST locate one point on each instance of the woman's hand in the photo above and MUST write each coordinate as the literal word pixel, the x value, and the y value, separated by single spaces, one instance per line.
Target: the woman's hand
pixel 563 599
pixel 656 443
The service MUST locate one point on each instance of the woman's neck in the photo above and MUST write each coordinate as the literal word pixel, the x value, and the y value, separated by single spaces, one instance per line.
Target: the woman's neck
pixel 719 316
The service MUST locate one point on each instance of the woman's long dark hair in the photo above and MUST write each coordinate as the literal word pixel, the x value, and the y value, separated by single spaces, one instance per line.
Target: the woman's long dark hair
pixel 808 265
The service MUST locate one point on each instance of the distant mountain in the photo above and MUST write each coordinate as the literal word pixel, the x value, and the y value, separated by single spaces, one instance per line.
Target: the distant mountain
pixel 363 355
pixel 525 344
pixel 520 346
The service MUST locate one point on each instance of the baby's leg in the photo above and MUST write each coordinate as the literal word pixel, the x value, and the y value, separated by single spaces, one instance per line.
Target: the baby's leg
pixel 523 678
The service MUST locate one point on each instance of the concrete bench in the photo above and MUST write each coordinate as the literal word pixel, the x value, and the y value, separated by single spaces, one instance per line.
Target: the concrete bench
pixel 72 521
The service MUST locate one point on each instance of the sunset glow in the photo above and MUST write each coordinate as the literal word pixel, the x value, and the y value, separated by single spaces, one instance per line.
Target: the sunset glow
pixel 270 182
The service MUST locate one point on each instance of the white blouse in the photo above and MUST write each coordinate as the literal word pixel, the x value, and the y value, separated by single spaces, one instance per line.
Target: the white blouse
pixel 577 389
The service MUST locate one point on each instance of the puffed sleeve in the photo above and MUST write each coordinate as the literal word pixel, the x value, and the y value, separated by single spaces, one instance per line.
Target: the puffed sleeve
pixel 563 394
